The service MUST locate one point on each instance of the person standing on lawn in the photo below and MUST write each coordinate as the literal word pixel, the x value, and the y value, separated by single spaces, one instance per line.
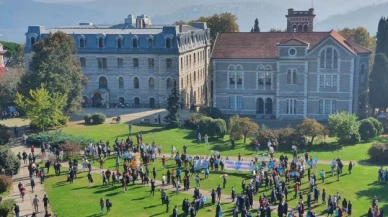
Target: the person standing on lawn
pixel 152 187
pixel 218 210
pixel 219 189
pixel 16 209
pixel 350 167
pixel 102 205
pixel 213 195
pixel 108 205
pixel 167 202
pixel 175 211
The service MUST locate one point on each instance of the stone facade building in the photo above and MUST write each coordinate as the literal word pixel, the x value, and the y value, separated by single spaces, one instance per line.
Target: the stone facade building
pixel 135 62
pixel 289 75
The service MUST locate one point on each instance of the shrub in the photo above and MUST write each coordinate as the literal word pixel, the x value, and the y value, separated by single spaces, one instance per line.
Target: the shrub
pixel 378 153
pixel 6 207
pixel 217 128
pixel 8 160
pixel 56 139
pixel 367 130
pixel 193 120
pixel 344 126
pixel 212 112
pixel 265 135
pixel 311 128
pixel 288 137
pixel 378 125
pixel 88 119
pixel 242 127
pixel 98 118
pixel 5 183
pixel 5 134
pixel 70 149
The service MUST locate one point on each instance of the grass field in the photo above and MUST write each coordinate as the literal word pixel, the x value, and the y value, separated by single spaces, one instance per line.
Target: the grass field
pixel 179 137
pixel 66 199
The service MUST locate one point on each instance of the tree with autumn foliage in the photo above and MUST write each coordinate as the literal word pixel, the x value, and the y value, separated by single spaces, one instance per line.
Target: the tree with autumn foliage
pixel 242 127
pixel 311 128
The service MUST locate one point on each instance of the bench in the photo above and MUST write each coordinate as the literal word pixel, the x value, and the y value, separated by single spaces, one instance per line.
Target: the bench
pixel 145 121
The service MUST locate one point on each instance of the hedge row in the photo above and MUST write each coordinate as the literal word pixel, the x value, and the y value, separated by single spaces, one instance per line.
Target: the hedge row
pixel 207 125
pixel 56 139
pixel 96 118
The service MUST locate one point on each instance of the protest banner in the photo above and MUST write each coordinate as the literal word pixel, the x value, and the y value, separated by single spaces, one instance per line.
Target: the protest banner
pixel 239 165
pixel 201 164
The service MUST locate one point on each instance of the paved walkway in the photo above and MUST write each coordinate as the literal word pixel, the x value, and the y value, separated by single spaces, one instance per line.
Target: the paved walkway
pixel 26 208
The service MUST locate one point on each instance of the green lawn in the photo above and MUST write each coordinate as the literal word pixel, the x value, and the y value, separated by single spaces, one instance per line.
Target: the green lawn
pixel 179 137
pixel 137 201
pixel 358 187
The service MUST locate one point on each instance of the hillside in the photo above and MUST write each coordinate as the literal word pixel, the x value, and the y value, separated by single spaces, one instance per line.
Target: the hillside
pixel 367 17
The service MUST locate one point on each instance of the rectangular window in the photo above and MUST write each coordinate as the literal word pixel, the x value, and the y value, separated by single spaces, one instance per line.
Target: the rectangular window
pixel 327 106
pixel 169 63
pixel 328 81
pixel 232 102
pixel 102 63
pixel 83 61
pixel 120 62
pixel 320 106
pixel 334 80
pixel 150 63
pixel 239 102
pixel 291 106
pixel 135 62
pixel 232 79
pixel 322 81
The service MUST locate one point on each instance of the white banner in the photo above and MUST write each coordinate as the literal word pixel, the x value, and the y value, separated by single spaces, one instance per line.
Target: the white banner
pixel 239 165
pixel 201 164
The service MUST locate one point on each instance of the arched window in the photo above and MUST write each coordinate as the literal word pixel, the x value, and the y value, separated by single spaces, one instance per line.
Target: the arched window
pixel 33 40
pixel 100 42
pixel 151 83
pixel 294 28
pixel 168 42
pixel 81 42
pixel 291 76
pixel 300 28
pixel 150 43
pixel 119 43
pixel 136 83
pixel 362 74
pixel 121 82
pixel 329 58
pixel 102 82
pixel 260 106
pixel 135 43
pixel 305 28
pixel 169 83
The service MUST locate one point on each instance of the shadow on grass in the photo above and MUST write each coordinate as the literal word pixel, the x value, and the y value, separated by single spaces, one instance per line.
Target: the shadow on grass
pixel 377 189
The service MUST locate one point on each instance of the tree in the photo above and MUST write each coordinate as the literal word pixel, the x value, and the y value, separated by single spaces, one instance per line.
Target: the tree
pixel 242 127
pixel 361 36
pixel 55 65
pixel 382 37
pixel 344 126
pixel 5 134
pixel 218 23
pixel 14 57
pixel 378 83
pixel 311 128
pixel 173 105
pixel 256 27
pixel 8 159
pixel 8 86
pixel 44 110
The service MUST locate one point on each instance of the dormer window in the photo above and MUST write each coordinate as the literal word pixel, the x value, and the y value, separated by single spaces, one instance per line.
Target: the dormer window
pixel 135 43
pixel 100 42
pixel 120 43
pixel 150 43
pixel 81 42
pixel 168 42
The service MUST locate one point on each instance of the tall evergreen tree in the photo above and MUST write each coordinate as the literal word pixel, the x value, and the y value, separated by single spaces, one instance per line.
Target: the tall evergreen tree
pixel 382 37
pixel 256 27
pixel 378 84
pixel 55 65
pixel 173 106
pixel 252 29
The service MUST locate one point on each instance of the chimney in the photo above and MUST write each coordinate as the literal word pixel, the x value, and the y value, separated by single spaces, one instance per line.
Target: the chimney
pixel 180 28
pixel 311 11
pixel 290 11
